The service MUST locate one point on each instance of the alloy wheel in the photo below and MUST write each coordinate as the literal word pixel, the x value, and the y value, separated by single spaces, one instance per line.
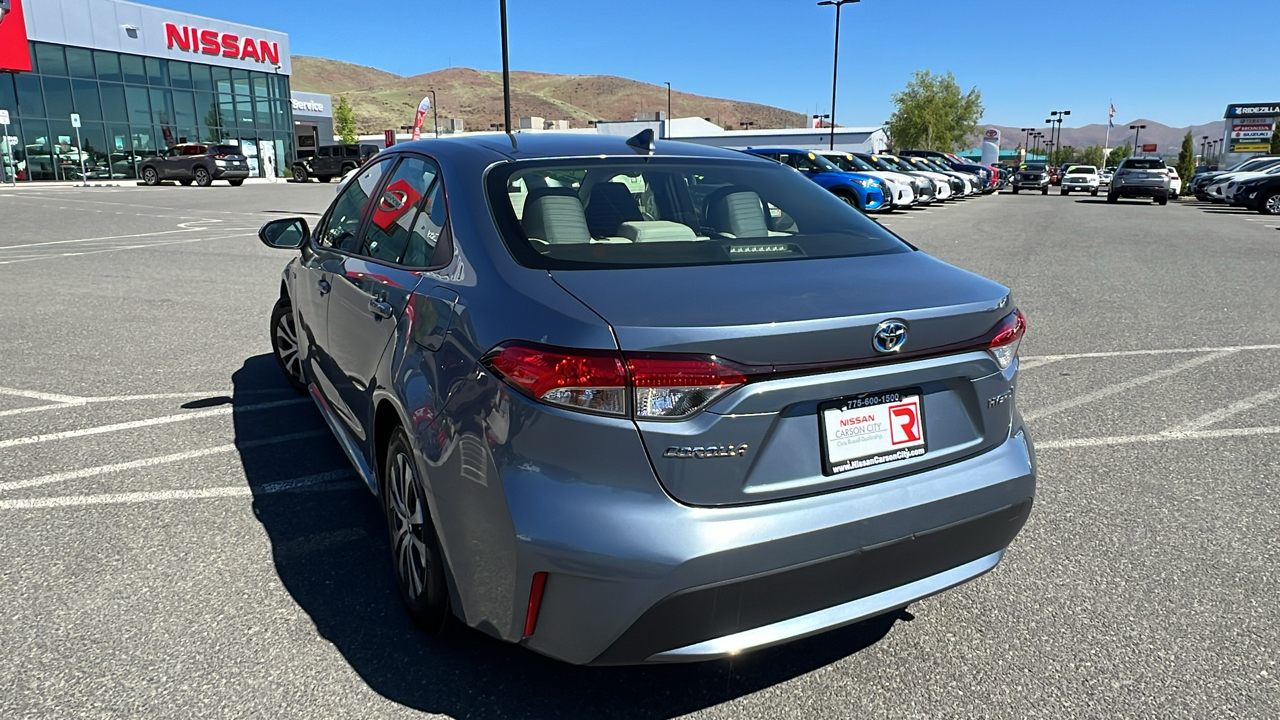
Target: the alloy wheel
pixel 1272 205
pixel 287 347
pixel 202 177
pixel 406 511
pixel 149 176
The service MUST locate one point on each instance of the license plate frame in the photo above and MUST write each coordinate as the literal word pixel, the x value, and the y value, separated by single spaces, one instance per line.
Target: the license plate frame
pixel 876 403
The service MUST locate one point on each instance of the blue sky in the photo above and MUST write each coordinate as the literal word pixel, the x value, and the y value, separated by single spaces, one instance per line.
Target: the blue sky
pixel 1137 53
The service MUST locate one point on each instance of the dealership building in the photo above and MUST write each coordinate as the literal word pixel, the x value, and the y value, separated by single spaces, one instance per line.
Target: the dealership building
pixel 138 80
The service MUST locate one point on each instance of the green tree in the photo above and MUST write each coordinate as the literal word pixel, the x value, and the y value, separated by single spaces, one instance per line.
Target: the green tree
pixel 1275 143
pixel 1119 154
pixel 1092 155
pixel 1187 159
pixel 344 122
pixel 933 114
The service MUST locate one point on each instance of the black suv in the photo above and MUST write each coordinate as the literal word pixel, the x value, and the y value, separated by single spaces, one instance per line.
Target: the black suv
pixel 330 161
pixel 198 163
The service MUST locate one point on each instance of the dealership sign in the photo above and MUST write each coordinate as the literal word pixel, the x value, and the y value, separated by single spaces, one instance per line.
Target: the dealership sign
pixel 1253 110
pixel 14 55
pixel 1259 129
pixel 228 45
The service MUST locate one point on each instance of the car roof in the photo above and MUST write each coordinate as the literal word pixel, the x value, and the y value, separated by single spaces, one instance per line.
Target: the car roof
pixel 544 145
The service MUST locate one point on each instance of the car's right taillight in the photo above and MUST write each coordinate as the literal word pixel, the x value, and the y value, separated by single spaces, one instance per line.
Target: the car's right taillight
pixel 675 387
pixel 1004 346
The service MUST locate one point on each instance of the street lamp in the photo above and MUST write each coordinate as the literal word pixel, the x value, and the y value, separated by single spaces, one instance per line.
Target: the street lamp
pixel 1203 141
pixel 747 125
pixel 1137 133
pixel 1058 116
pixel 820 118
pixel 497 126
pixel 668 102
pixel 506 67
pixel 835 64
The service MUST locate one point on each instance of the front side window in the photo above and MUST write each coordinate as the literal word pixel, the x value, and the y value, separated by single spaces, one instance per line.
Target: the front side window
pixel 593 213
pixel 339 230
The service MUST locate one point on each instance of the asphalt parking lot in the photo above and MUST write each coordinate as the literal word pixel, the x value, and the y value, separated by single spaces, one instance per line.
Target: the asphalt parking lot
pixel 183 538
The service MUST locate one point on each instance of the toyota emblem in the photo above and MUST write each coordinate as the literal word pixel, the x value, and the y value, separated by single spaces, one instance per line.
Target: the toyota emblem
pixel 890 336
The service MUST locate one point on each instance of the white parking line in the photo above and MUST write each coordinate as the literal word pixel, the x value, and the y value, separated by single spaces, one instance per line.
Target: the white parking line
pixel 1126 385
pixel 153 461
pixel 163 420
pixel 1035 361
pixel 1167 436
pixel 35 395
pixel 72 401
pixel 319 482
pixel 1219 415
pixel 110 237
pixel 123 247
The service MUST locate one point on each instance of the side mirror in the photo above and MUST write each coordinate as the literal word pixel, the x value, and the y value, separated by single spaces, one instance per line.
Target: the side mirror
pixel 287 233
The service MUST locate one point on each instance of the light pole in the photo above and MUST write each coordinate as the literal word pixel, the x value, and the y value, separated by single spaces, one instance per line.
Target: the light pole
pixel 1026 141
pixel 506 68
pixel 835 65
pixel 1204 140
pixel 1137 133
pixel 435 117
pixel 1057 116
pixel 820 118
pixel 747 125
pixel 668 102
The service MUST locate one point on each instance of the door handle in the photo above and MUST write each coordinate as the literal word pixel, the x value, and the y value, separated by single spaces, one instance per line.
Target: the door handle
pixel 325 287
pixel 380 308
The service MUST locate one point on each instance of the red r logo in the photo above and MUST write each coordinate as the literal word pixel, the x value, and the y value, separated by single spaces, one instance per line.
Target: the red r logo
pixel 904 423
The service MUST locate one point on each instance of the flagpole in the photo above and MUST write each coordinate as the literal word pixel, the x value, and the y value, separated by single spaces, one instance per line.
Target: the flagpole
pixel 1106 144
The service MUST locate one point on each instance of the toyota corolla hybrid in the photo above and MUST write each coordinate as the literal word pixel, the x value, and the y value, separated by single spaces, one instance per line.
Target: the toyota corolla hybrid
pixel 625 401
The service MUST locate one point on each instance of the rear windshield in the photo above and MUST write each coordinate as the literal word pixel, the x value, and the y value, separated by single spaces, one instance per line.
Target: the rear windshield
pixel 1142 164
pixel 594 213
pixel 224 150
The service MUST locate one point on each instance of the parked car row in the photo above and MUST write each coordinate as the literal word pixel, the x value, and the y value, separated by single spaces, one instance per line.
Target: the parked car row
pixel 1135 177
pixel 1252 184
pixel 881 182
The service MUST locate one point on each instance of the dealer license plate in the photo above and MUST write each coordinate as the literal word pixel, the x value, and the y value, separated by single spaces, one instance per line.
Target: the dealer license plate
pixel 873 429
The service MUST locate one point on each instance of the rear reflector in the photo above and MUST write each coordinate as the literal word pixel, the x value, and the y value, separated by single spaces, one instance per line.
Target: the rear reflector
pixel 535 602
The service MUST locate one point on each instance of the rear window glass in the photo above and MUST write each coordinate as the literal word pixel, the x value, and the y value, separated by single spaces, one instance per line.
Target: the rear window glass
pixel 1142 164
pixel 225 150
pixel 594 213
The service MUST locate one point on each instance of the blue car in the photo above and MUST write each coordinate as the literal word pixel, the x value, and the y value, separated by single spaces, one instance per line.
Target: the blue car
pixel 864 192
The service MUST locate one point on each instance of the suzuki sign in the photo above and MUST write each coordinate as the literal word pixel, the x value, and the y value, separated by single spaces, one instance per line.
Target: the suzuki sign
pixel 211 42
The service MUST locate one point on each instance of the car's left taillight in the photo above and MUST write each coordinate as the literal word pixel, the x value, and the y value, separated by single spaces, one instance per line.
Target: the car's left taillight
pixel 1004 345
pixel 646 386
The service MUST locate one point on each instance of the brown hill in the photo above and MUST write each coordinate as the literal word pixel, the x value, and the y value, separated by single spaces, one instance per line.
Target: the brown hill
pixel 1168 139
pixel 382 100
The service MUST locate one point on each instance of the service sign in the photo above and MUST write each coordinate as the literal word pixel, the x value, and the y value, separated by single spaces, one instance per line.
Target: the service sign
pixel 14 55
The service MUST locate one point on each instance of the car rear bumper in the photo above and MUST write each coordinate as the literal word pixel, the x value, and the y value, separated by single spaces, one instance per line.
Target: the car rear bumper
pixel 230 173
pixel 667 582
pixel 1156 191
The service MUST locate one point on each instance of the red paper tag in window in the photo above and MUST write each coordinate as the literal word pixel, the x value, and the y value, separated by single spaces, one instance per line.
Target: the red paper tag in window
pixel 397 199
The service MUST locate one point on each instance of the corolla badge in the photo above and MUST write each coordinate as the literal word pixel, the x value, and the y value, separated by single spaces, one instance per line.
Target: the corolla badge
pixel 890 336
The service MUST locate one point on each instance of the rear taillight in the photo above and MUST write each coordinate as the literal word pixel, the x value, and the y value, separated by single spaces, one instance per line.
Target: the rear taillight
pixel 220 156
pixel 1004 346
pixel 646 386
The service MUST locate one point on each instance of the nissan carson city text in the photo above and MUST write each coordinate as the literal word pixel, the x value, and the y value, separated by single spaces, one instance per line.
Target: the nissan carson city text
pixel 626 401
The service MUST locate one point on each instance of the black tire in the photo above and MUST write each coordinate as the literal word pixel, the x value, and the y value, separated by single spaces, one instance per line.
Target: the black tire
pixel 202 177
pixel 1112 197
pixel 849 199
pixel 1064 191
pixel 236 182
pixel 415 550
pixel 1270 205
pixel 150 176
pixel 1044 190
pixel 324 178
pixel 285 345
pixel 1015 191
pixel 347 168
pixel 1093 193
pixel 300 173
pixel 184 183
pixel 1163 199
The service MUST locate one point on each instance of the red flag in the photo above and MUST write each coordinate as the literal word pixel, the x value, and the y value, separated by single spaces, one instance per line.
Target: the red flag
pixel 1113 110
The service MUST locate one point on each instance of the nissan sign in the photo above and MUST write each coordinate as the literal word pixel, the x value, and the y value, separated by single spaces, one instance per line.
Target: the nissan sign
pixel 228 45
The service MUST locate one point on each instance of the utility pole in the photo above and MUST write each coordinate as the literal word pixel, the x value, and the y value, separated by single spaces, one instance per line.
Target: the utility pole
pixel 835 65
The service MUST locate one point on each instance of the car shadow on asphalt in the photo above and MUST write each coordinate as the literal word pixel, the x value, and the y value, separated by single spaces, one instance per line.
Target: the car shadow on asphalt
pixel 331 553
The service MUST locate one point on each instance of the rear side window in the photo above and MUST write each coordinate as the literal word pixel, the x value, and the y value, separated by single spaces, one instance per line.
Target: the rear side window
pixel 594 213
pixel 394 220
pixel 1142 164
pixel 339 229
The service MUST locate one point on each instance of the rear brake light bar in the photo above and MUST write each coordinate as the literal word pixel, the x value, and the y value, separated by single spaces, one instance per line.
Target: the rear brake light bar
pixel 660 386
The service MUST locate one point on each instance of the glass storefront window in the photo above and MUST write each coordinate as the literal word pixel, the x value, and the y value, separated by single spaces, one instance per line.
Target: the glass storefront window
pixel 8 96
pixel 244 112
pixel 240 81
pixel 66 156
pixel 179 74
pixel 133 69
pixel 85 94
pixel 262 109
pixel 113 107
pixel 206 110
pixel 80 63
pixel 57 98
pixel 201 79
pixel 93 141
pixel 108 66
pixel 50 60
pixel 157 71
pixel 36 151
pixel 259 86
pixel 221 79
pixel 184 109
pixel 139 105
pixel 123 162
pixel 30 97
pixel 161 107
